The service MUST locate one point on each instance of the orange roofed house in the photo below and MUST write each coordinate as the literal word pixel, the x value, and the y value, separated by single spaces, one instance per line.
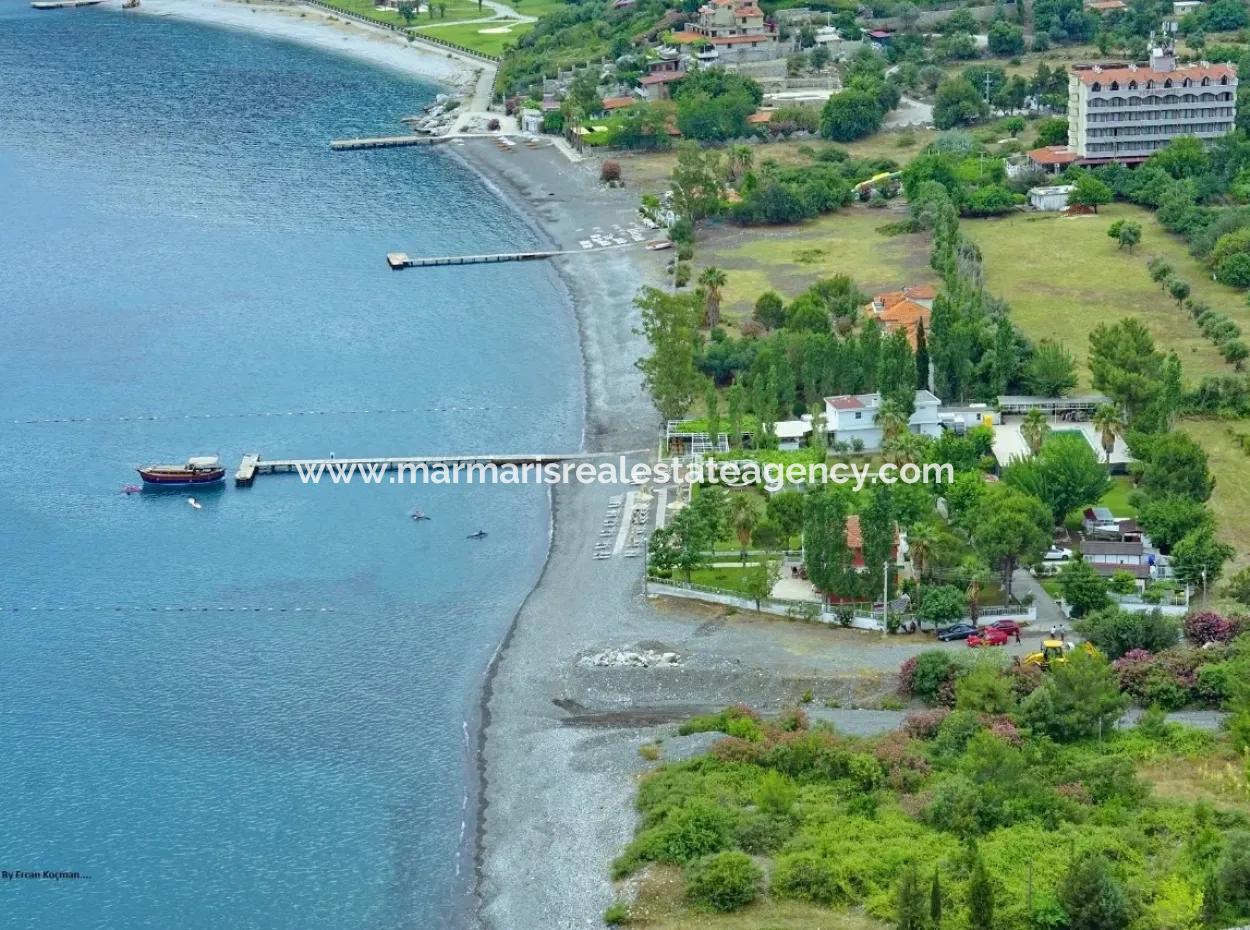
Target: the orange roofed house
pixel 906 309
pixel 735 30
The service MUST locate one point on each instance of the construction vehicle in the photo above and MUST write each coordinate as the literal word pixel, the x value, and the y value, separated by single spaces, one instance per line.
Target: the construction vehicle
pixel 1054 652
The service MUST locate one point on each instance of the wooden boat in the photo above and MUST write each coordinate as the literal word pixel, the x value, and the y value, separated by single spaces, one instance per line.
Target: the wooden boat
pixel 199 469
pixel 62 4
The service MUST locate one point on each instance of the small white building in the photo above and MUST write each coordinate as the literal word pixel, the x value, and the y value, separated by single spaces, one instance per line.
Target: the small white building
pixel 1181 7
pixel 792 434
pixel 851 417
pixel 531 121
pixel 1050 198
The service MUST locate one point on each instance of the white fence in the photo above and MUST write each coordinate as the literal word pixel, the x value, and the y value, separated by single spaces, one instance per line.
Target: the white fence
pixel 824 613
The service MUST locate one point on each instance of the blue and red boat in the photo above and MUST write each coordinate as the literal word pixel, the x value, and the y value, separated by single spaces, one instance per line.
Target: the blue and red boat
pixel 199 469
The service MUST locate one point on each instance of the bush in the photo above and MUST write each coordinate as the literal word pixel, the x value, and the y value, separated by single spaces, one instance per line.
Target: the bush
pixel 724 882
pixel 1233 872
pixel 929 676
pixel 617 913
pixel 610 171
pixel 1205 627
pixel 1116 632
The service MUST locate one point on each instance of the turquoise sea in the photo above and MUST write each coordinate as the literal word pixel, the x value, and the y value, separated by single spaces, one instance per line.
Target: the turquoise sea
pixel 260 713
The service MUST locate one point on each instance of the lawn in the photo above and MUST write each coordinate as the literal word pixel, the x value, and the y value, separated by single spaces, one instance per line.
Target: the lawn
pixel 789 259
pixel 732 578
pixel 661 906
pixel 1231 468
pixel 472 35
pixel 1064 275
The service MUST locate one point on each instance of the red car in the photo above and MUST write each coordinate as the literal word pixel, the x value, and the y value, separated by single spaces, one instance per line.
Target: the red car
pixel 989 636
pixel 1010 627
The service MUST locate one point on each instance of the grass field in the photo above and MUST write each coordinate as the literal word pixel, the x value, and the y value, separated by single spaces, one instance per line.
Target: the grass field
pixel 470 35
pixel 1231 468
pixel 789 259
pixel 1064 275
pixel 660 906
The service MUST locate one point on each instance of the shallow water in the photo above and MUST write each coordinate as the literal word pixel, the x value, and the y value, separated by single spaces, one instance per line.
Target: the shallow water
pixel 254 714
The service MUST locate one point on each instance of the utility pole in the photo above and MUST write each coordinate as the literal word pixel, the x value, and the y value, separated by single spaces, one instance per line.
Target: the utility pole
pixel 885 598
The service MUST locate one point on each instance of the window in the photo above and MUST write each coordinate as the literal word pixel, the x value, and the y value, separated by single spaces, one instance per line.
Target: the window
pixel 1115 85
pixel 1096 86
pixel 1206 82
pixel 858 415
pixel 1132 85
pixel 1167 83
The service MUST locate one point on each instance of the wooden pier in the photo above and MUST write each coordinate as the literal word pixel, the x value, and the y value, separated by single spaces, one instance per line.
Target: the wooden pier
pixel 367 470
pixel 400 260
pixel 384 142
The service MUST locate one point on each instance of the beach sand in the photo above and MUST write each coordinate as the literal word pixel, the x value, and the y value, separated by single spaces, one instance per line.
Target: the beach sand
pixel 307 25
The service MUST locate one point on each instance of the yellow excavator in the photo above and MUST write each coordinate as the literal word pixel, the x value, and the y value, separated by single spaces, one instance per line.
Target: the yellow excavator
pixel 1054 652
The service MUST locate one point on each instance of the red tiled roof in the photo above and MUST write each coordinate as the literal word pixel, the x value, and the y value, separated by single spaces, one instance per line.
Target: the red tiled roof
pixel 1142 73
pixel 617 103
pixel 760 116
pixel 1053 155
pixel 854 535
pixel 907 316
pixel 738 40
pixel 662 77
pixel 845 402
pixel 1103 6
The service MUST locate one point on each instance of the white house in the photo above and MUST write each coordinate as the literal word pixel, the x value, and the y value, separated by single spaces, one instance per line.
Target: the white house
pixel 1050 198
pixel 792 434
pixel 851 417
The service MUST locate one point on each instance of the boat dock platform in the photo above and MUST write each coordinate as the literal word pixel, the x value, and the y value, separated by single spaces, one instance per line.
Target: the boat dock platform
pixel 63 4
pixel 400 260
pixel 370 470
pixel 383 142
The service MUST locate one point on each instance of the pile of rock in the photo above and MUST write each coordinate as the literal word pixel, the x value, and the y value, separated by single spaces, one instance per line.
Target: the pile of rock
pixel 625 658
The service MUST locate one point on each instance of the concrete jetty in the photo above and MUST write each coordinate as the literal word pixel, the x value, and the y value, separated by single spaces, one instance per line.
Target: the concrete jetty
pixel 384 142
pixel 370 470
pixel 400 260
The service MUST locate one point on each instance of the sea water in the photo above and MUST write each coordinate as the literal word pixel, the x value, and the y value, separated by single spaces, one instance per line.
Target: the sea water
pixel 258 712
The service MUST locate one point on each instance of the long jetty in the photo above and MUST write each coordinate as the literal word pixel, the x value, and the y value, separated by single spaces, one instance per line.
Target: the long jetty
pixel 400 260
pixel 384 142
pixel 253 465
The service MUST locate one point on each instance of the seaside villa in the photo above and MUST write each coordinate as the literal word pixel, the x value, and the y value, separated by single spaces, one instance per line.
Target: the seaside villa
pixel 852 418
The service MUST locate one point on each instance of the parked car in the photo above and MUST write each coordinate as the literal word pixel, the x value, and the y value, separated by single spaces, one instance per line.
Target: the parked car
pixel 988 636
pixel 1010 627
pixel 957 631
pixel 1057 554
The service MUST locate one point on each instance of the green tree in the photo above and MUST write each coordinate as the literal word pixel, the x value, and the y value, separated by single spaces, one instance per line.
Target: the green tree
pixel 1173 464
pixel 1083 588
pixel 922 358
pixel 850 114
pixel 941 605
pixel 1079 699
pixel 1010 527
pixel 408 11
pixel 1169 517
pixel 724 881
pixel 1052 131
pixel 877 527
pixel 980 895
pixel 1199 558
pixel 825 552
pixel 735 402
pixel 1179 290
pixel 935 902
pixel 1065 475
pixel 1015 125
pixel 761 579
pixel 1124 364
pixel 770 310
pixel 909 904
pixel 1090 192
pixel 1129 236
pixel 1092 897
pixel 785 508
pixel 1005 40
pixel 698 185
pixel 711 400
pixel 1051 370
pixel 957 103
pixel 670 323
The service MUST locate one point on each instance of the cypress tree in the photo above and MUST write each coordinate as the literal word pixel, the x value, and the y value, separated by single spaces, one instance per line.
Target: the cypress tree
pixel 980 896
pixel 935 902
pixel 909 901
pixel 922 358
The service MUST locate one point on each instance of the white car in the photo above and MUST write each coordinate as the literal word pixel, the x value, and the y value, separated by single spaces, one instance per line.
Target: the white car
pixel 1057 554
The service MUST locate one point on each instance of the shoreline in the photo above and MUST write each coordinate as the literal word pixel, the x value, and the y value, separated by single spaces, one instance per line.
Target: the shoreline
pixel 291 21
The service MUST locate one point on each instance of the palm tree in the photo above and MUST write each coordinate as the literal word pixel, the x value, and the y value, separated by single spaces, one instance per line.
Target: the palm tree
pixel 712 279
pixel 745 511
pixel 922 543
pixel 1109 425
pixel 892 419
pixel 1034 429
pixel 975 574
